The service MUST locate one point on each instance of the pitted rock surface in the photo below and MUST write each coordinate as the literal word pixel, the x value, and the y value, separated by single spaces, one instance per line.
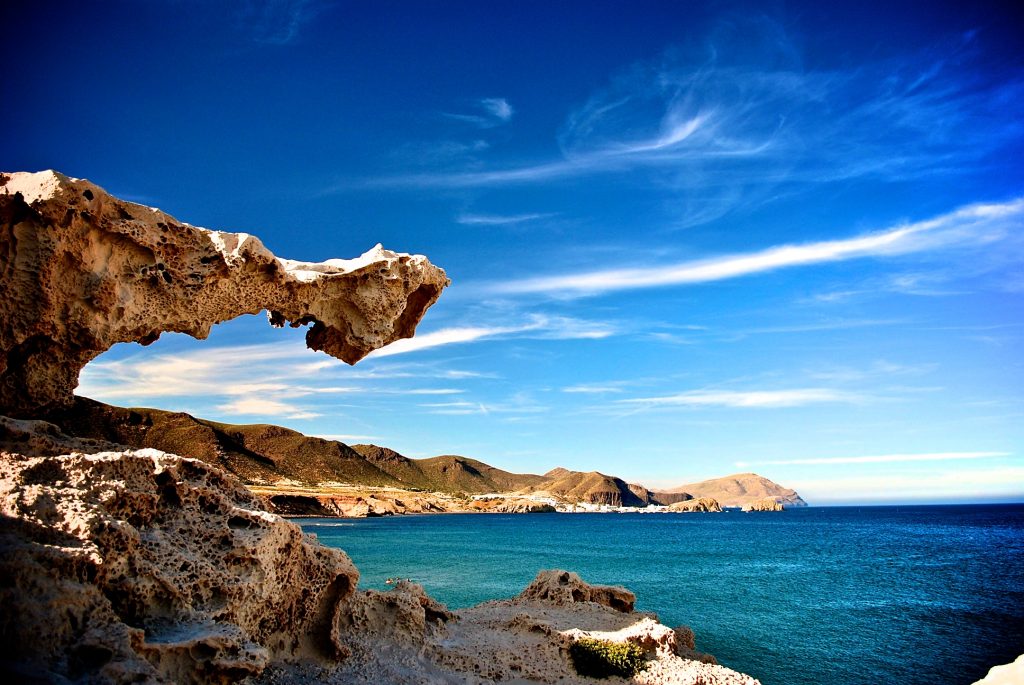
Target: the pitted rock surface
pixel 764 504
pixel 701 504
pixel 81 270
pixel 140 564
pixel 564 587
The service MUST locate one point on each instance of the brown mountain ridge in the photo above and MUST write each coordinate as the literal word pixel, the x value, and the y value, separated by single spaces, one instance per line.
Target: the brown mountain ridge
pixel 264 454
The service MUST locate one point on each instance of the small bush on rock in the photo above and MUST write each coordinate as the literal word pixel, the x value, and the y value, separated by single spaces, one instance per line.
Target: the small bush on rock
pixel 602 659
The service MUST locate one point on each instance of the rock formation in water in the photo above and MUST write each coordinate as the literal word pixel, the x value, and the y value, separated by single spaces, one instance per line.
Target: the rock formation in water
pixel 701 504
pixel 81 270
pixel 764 504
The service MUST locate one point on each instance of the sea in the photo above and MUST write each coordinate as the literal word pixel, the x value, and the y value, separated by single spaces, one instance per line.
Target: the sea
pixel 837 595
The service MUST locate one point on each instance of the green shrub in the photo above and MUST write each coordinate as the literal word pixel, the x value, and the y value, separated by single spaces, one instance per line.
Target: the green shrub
pixel 601 659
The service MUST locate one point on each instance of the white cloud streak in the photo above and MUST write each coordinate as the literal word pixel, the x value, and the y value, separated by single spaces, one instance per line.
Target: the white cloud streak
pixel 498 108
pixel 751 399
pixel 493 112
pixel 586 389
pixel 499 220
pixel 538 326
pixel 973 224
pixel 294 381
pixel 277 22
pixel 257 406
pixel 739 114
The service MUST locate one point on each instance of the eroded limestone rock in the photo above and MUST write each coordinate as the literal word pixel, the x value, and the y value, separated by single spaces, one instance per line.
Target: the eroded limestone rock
pixel 81 270
pixel 701 504
pixel 118 566
pixel 402 636
pixel 564 587
pixel 764 504
pixel 140 566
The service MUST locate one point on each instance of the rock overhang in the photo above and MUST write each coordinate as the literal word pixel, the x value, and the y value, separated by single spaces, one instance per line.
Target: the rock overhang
pixel 81 270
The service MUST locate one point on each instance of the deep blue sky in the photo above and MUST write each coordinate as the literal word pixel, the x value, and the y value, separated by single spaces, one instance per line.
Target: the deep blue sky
pixel 612 187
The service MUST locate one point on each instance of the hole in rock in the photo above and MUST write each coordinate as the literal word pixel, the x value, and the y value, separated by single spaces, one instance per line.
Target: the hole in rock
pixel 246 373
pixel 89 657
pixel 240 523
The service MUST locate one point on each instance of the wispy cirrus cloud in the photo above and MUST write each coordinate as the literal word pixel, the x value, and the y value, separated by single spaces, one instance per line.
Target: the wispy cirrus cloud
pixel 261 406
pixel 728 121
pixel 976 224
pixel 499 219
pixel 593 388
pixel 518 405
pixel 277 22
pixel 747 399
pixel 538 326
pixel 488 113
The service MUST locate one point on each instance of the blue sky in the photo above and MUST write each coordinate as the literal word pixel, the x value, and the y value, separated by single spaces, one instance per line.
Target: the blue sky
pixel 684 241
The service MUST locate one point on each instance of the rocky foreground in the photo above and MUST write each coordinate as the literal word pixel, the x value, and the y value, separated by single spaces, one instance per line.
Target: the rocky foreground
pixel 141 566
pixel 127 565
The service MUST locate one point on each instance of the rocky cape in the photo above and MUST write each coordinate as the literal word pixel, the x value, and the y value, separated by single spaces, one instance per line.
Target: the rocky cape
pixel 122 564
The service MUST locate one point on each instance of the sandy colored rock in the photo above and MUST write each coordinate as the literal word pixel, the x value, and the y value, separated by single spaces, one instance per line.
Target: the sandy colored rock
pixel 764 504
pixel 81 270
pixel 139 564
pixel 701 504
pixel 351 502
pixel 1007 674
pixel 560 588
pixel 401 637
pixel 510 505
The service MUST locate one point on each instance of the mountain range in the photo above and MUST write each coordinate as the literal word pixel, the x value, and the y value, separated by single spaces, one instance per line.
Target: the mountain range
pixel 265 454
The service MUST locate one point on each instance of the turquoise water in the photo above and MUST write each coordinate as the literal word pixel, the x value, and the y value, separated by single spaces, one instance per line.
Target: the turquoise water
pixel 843 595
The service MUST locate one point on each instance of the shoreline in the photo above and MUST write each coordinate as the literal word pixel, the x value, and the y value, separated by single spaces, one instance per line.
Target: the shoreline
pixel 353 501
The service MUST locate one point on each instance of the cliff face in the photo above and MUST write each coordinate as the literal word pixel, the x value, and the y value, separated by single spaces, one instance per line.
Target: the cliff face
pixel 82 270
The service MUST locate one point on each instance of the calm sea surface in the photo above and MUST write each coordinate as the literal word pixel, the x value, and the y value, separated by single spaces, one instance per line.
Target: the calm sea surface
pixel 846 595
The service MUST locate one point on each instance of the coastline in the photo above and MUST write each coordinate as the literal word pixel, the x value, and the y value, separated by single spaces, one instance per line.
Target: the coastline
pixel 354 501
